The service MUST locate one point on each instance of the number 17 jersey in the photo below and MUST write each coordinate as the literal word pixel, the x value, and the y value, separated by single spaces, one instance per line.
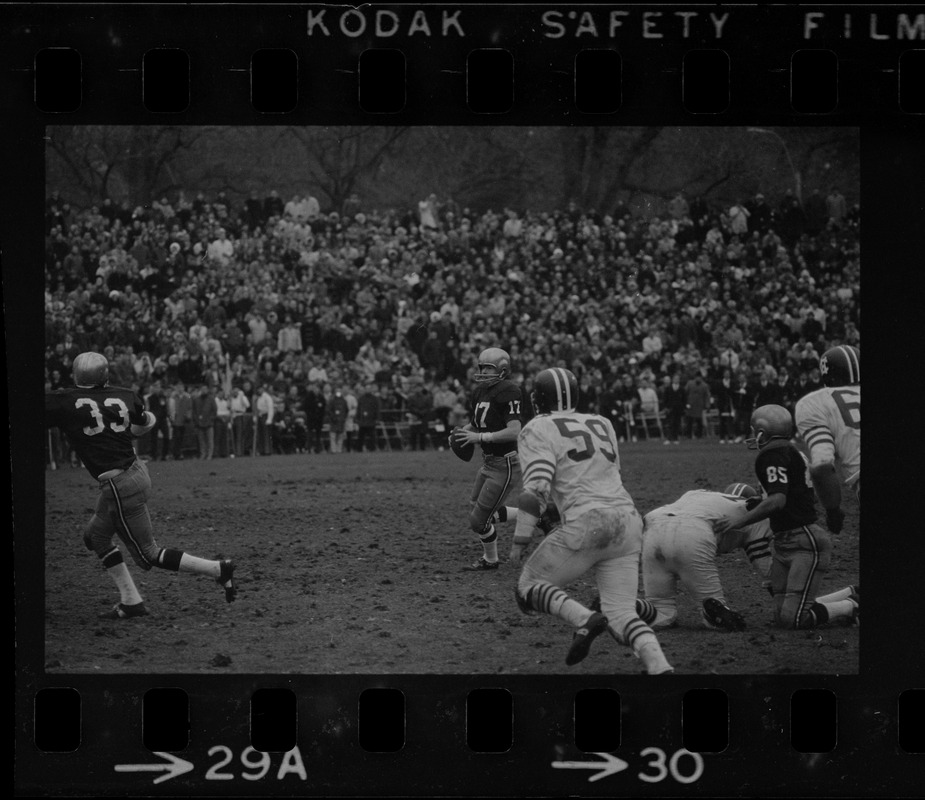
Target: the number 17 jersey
pixel 572 459
pixel 829 422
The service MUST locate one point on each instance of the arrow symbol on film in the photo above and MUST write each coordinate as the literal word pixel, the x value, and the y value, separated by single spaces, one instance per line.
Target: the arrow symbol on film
pixel 611 765
pixel 177 766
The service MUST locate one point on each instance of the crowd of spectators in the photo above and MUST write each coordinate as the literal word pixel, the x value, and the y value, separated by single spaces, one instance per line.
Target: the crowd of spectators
pixel 269 326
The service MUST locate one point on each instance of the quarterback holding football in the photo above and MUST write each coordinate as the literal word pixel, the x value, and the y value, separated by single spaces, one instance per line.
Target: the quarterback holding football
pixel 496 415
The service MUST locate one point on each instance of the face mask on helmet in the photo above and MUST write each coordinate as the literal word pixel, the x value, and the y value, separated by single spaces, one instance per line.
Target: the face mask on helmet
pixel 768 423
pixel 494 365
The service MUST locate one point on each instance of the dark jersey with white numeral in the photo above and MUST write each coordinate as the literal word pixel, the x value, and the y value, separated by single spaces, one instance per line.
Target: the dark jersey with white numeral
pixel 491 408
pixel 97 423
pixel 782 469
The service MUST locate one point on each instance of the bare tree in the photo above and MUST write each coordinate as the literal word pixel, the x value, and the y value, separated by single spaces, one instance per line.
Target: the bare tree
pixel 336 159
pixel 121 162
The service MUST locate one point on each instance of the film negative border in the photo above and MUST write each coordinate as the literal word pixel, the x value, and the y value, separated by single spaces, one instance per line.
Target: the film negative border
pixel 535 739
pixel 776 64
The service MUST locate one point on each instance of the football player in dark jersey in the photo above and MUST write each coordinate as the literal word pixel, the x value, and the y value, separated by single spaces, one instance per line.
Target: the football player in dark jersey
pixel 496 414
pixel 100 421
pixel 802 549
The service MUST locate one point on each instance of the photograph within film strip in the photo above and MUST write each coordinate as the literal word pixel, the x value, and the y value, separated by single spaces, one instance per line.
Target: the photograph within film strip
pixel 462 400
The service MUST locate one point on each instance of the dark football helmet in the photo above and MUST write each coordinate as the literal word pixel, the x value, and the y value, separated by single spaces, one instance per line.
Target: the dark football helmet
pixel 554 390
pixel 741 490
pixel 494 365
pixel 90 369
pixel 841 366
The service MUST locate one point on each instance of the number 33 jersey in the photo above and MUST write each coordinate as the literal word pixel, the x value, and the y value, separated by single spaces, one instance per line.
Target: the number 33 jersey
pixel 571 459
pixel 97 422
pixel 829 422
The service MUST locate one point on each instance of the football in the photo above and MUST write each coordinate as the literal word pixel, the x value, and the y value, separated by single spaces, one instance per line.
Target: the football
pixel 461 450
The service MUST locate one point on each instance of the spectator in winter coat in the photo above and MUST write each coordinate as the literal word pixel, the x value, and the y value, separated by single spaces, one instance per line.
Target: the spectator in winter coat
pixel 368 414
pixel 420 408
pixel 336 419
pixel 696 404
pixel 724 400
pixel 673 401
pixel 204 414
pixel 180 410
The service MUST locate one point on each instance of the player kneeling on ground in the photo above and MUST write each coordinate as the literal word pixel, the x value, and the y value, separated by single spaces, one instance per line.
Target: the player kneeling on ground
pixel 679 546
pixel 571 459
pixel 802 550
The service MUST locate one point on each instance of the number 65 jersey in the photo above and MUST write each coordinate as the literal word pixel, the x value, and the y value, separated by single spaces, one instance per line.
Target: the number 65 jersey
pixel 97 422
pixel 571 459
pixel 829 422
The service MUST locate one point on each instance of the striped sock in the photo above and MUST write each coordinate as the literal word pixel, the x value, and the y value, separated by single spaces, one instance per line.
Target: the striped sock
pixel 646 611
pixel 637 633
pixel 552 600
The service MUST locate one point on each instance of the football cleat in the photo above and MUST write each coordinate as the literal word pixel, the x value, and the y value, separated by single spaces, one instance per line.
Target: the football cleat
pixel 226 580
pixel 482 565
pixel 719 616
pixel 582 638
pixel 122 611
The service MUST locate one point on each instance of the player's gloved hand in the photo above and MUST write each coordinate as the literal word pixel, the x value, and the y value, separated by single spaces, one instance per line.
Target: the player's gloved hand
pixel 835 519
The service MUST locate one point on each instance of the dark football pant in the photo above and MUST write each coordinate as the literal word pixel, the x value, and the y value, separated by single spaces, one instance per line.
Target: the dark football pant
pixel 497 478
pixel 801 559
pixel 121 510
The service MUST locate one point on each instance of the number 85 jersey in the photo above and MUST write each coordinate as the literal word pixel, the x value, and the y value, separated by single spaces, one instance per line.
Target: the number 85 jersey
pixel 829 422
pixel 97 422
pixel 571 459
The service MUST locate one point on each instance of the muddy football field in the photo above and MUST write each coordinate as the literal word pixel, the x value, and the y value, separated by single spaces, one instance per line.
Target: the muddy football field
pixel 352 563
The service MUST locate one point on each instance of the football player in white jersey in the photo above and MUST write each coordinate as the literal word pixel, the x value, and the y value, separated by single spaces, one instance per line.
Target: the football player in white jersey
pixel 680 546
pixel 829 422
pixel 571 459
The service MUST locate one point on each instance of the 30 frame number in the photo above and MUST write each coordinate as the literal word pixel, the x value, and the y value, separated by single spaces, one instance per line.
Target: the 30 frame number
pixel 671 767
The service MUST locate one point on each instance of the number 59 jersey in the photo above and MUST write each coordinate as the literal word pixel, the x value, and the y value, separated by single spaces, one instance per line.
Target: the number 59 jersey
pixel 571 459
pixel 829 422
pixel 97 422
